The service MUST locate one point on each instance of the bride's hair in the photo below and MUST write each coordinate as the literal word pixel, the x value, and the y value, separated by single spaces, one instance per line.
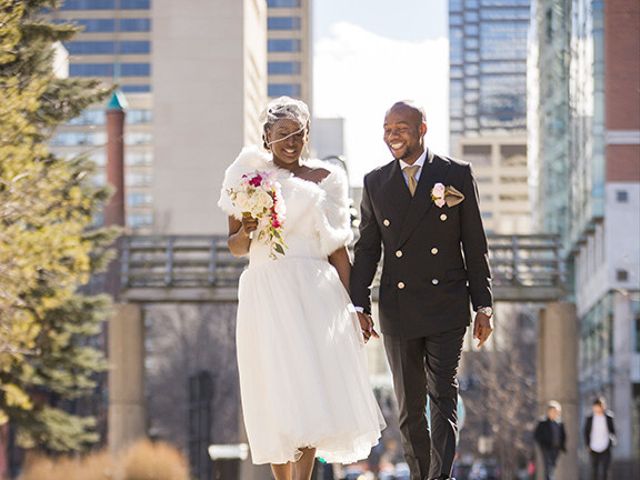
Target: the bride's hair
pixel 285 108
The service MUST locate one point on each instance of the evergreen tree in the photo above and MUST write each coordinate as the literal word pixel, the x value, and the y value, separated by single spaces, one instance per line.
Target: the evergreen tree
pixel 48 247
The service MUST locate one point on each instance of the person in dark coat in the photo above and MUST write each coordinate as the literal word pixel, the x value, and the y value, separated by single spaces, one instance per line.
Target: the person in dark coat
pixel 599 436
pixel 422 209
pixel 551 438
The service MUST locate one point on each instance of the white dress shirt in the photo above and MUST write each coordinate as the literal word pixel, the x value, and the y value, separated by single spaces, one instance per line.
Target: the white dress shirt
pixel 599 440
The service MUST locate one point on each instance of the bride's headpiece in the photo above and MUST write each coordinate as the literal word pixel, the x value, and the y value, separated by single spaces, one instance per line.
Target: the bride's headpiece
pixel 285 108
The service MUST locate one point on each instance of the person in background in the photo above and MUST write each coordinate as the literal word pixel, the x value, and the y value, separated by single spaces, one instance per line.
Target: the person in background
pixel 599 436
pixel 551 438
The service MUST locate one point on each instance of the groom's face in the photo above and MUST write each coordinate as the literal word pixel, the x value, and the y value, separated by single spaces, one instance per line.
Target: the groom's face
pixel 404 132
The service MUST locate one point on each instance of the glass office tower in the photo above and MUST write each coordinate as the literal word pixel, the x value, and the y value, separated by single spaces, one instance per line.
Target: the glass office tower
pixel 488 52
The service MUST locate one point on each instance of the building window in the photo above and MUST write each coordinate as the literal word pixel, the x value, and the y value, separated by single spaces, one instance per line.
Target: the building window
pixel 140 220
pixel 283 3
pixel 107 69
pixel 135 69
pixel 288 89
pixel 138 138
pixel 637 334
pixel 138 180
pixel 136 159
pixel 284 45
pixel 134 47
pixel 88 5
pixel 96 24
pixel 455 5
pixel 91 48
pixel 549 24
pixel 89 117
pixel 138 116
pixel 70 139
pixel 487 214
pixel 135 4
pixel 622 196
pixel 284 68
pixel 622 275
pixel 284 23
pixel 135 24
pixel 138 199
pixel 136 88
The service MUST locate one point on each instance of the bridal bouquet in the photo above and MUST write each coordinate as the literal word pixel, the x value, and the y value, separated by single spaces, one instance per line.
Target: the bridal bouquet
pixel 259 196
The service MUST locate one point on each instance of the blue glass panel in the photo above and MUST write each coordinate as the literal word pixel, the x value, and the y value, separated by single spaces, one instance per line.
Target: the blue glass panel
pixel 91 48
pixel 279 89
pixel 284 68
pixel 284 23
pixel 135 24
pixel 96 24
pixel 135 4
pixel 107 69
pixel 135 69
pixel 136 88
pixel 284 45
pixel 91 70
pixel 283 3
pixel 88 5
pixel 134 46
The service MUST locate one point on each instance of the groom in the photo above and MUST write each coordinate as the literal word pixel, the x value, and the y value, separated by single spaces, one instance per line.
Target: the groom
pixel 423 209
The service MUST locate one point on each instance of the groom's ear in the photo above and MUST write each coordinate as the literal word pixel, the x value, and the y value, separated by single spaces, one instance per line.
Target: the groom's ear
pixel 423 129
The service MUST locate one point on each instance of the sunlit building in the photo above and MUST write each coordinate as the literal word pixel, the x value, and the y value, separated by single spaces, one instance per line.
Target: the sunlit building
pixel 487 105
pixel 587 158
pixel 114 46
pixel 289 45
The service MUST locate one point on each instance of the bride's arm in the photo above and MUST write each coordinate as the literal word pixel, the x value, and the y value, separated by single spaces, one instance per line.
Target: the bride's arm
pixel 342 263
pixel 239 235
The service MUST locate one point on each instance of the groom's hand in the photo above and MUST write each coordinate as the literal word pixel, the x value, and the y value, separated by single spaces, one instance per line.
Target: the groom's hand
pixel 482 328
pixel 366 325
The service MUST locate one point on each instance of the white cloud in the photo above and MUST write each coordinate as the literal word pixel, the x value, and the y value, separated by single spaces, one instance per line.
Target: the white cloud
pixel 358 75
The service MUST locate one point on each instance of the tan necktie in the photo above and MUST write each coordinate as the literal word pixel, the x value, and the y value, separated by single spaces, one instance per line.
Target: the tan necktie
pixel 411 173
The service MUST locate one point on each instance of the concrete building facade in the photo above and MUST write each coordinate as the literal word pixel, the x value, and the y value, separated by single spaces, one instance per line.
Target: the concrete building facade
pixel 209 89
pixel 500 168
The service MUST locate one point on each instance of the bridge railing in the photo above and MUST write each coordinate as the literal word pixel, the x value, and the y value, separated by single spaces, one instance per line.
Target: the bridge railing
pixel 524 267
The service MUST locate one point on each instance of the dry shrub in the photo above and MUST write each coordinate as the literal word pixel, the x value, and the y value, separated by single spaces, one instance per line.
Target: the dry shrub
pixel 154 461
pixel 97 466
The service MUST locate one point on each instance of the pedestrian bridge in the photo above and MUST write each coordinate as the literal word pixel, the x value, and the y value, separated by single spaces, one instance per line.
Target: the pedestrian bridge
pixel 200 268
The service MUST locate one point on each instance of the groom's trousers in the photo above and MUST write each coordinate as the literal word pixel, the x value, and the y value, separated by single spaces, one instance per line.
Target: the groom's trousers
pixel 420 367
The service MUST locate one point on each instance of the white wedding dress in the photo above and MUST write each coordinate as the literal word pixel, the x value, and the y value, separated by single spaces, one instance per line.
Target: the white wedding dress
pixel 301 357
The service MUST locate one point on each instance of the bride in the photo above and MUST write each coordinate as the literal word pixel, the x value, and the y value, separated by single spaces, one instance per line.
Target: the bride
pixel 303 370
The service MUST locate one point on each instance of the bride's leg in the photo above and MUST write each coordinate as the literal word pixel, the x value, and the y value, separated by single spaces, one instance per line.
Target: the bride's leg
pixel 281 471
pixel 303 468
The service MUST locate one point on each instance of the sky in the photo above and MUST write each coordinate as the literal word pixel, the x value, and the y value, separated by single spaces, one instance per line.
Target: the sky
pixel 367 58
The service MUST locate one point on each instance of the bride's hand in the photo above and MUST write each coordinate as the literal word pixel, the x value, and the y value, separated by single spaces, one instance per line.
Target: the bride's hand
pixel 249 224
pixel 366 325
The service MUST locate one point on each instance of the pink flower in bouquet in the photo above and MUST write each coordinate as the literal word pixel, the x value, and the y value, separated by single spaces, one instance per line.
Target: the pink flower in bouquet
pixel 259 197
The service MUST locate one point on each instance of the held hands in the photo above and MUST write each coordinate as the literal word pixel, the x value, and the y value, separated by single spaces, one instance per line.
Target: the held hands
pixel 482 328
pixel 366 325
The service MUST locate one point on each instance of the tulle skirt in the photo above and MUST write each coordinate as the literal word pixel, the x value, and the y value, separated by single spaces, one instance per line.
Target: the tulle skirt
pixel 302 364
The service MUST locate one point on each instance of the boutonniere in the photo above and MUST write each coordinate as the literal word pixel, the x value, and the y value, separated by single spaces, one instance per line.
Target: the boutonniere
pixel 441 195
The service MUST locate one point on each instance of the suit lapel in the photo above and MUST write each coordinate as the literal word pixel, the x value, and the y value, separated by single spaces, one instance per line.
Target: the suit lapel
pixel 434 170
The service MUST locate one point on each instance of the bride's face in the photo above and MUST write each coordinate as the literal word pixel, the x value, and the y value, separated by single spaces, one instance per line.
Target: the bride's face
pixel 287 138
